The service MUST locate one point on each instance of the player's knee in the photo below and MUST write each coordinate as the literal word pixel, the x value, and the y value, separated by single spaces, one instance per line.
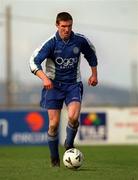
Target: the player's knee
pixel 73 120
pixel 53 130
pixel 73 116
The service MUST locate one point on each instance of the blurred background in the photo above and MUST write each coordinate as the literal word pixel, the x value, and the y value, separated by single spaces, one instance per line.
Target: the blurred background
pixel 111 25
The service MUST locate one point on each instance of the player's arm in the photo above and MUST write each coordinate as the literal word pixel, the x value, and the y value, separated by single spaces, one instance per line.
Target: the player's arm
pixel 93 79
pixel 47 83
pixel 36 59
pixel 90 54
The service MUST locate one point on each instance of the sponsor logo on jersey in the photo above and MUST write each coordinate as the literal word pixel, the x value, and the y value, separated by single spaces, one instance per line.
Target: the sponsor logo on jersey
pixel 66 62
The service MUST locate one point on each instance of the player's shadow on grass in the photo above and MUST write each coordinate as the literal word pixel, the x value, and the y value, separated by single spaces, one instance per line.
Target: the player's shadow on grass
pixel 87 169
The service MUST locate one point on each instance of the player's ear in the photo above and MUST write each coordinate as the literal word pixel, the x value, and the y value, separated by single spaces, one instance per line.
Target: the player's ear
pixel 57 25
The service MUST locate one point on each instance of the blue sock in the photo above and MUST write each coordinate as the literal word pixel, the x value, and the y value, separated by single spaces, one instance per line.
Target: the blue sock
pixel 71 133
pixel 53 146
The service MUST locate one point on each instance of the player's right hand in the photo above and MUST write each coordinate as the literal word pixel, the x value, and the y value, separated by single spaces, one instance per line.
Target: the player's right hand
pixel 47 83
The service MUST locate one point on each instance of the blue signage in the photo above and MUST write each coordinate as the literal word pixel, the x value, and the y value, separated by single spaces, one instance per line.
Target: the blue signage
pixel 23 127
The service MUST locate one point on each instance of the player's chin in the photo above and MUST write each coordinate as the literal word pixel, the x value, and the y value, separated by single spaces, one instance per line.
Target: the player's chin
pixel 66 36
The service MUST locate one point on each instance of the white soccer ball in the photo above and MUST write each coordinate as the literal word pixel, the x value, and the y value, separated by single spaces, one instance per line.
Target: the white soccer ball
pixel 73 158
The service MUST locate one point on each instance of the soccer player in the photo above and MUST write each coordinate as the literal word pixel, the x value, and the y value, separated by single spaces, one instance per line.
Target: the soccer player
pixel 62 80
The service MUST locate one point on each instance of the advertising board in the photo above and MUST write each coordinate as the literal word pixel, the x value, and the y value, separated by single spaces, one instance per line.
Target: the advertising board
pixel 23 127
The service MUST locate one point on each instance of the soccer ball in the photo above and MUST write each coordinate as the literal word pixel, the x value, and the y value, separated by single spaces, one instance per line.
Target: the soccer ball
pixel 73 158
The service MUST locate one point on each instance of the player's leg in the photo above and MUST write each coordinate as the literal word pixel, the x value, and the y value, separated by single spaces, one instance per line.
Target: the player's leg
pixel 73 101
pixel 54 118
pixel 52 100
pixel 72 126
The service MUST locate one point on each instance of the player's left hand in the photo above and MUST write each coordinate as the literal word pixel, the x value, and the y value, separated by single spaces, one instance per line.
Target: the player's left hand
pixel 92 81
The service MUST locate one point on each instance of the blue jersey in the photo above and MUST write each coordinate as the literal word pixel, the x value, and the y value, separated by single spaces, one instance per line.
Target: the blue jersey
pixel 63 57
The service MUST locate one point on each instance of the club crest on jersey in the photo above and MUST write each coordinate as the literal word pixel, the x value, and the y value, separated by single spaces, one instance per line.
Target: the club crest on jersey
pixel 75 50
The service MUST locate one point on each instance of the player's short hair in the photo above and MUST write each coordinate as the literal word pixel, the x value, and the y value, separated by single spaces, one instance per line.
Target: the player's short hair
pixel 63 16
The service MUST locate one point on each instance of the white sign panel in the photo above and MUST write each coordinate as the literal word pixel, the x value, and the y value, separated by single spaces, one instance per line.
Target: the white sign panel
pixel 123 126
pixel 105 126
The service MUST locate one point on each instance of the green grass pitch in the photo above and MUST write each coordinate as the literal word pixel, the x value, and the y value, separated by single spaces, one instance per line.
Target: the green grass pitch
pixel 101 163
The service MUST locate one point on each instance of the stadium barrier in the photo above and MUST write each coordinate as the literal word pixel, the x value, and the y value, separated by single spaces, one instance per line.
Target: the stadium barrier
pixel 97 126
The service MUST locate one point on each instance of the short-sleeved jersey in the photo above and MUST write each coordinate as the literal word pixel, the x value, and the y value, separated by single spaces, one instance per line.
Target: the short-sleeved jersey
pixel 63 57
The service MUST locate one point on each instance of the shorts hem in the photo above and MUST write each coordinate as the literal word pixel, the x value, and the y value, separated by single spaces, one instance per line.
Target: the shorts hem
pixel 45 107
pixel 76 100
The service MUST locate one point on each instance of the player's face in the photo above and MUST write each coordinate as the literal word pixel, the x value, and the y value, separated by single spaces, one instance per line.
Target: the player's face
pixel 64 29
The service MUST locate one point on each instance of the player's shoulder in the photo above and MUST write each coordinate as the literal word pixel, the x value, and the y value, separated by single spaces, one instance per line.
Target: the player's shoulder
pixel 85 40
pixel 80 36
